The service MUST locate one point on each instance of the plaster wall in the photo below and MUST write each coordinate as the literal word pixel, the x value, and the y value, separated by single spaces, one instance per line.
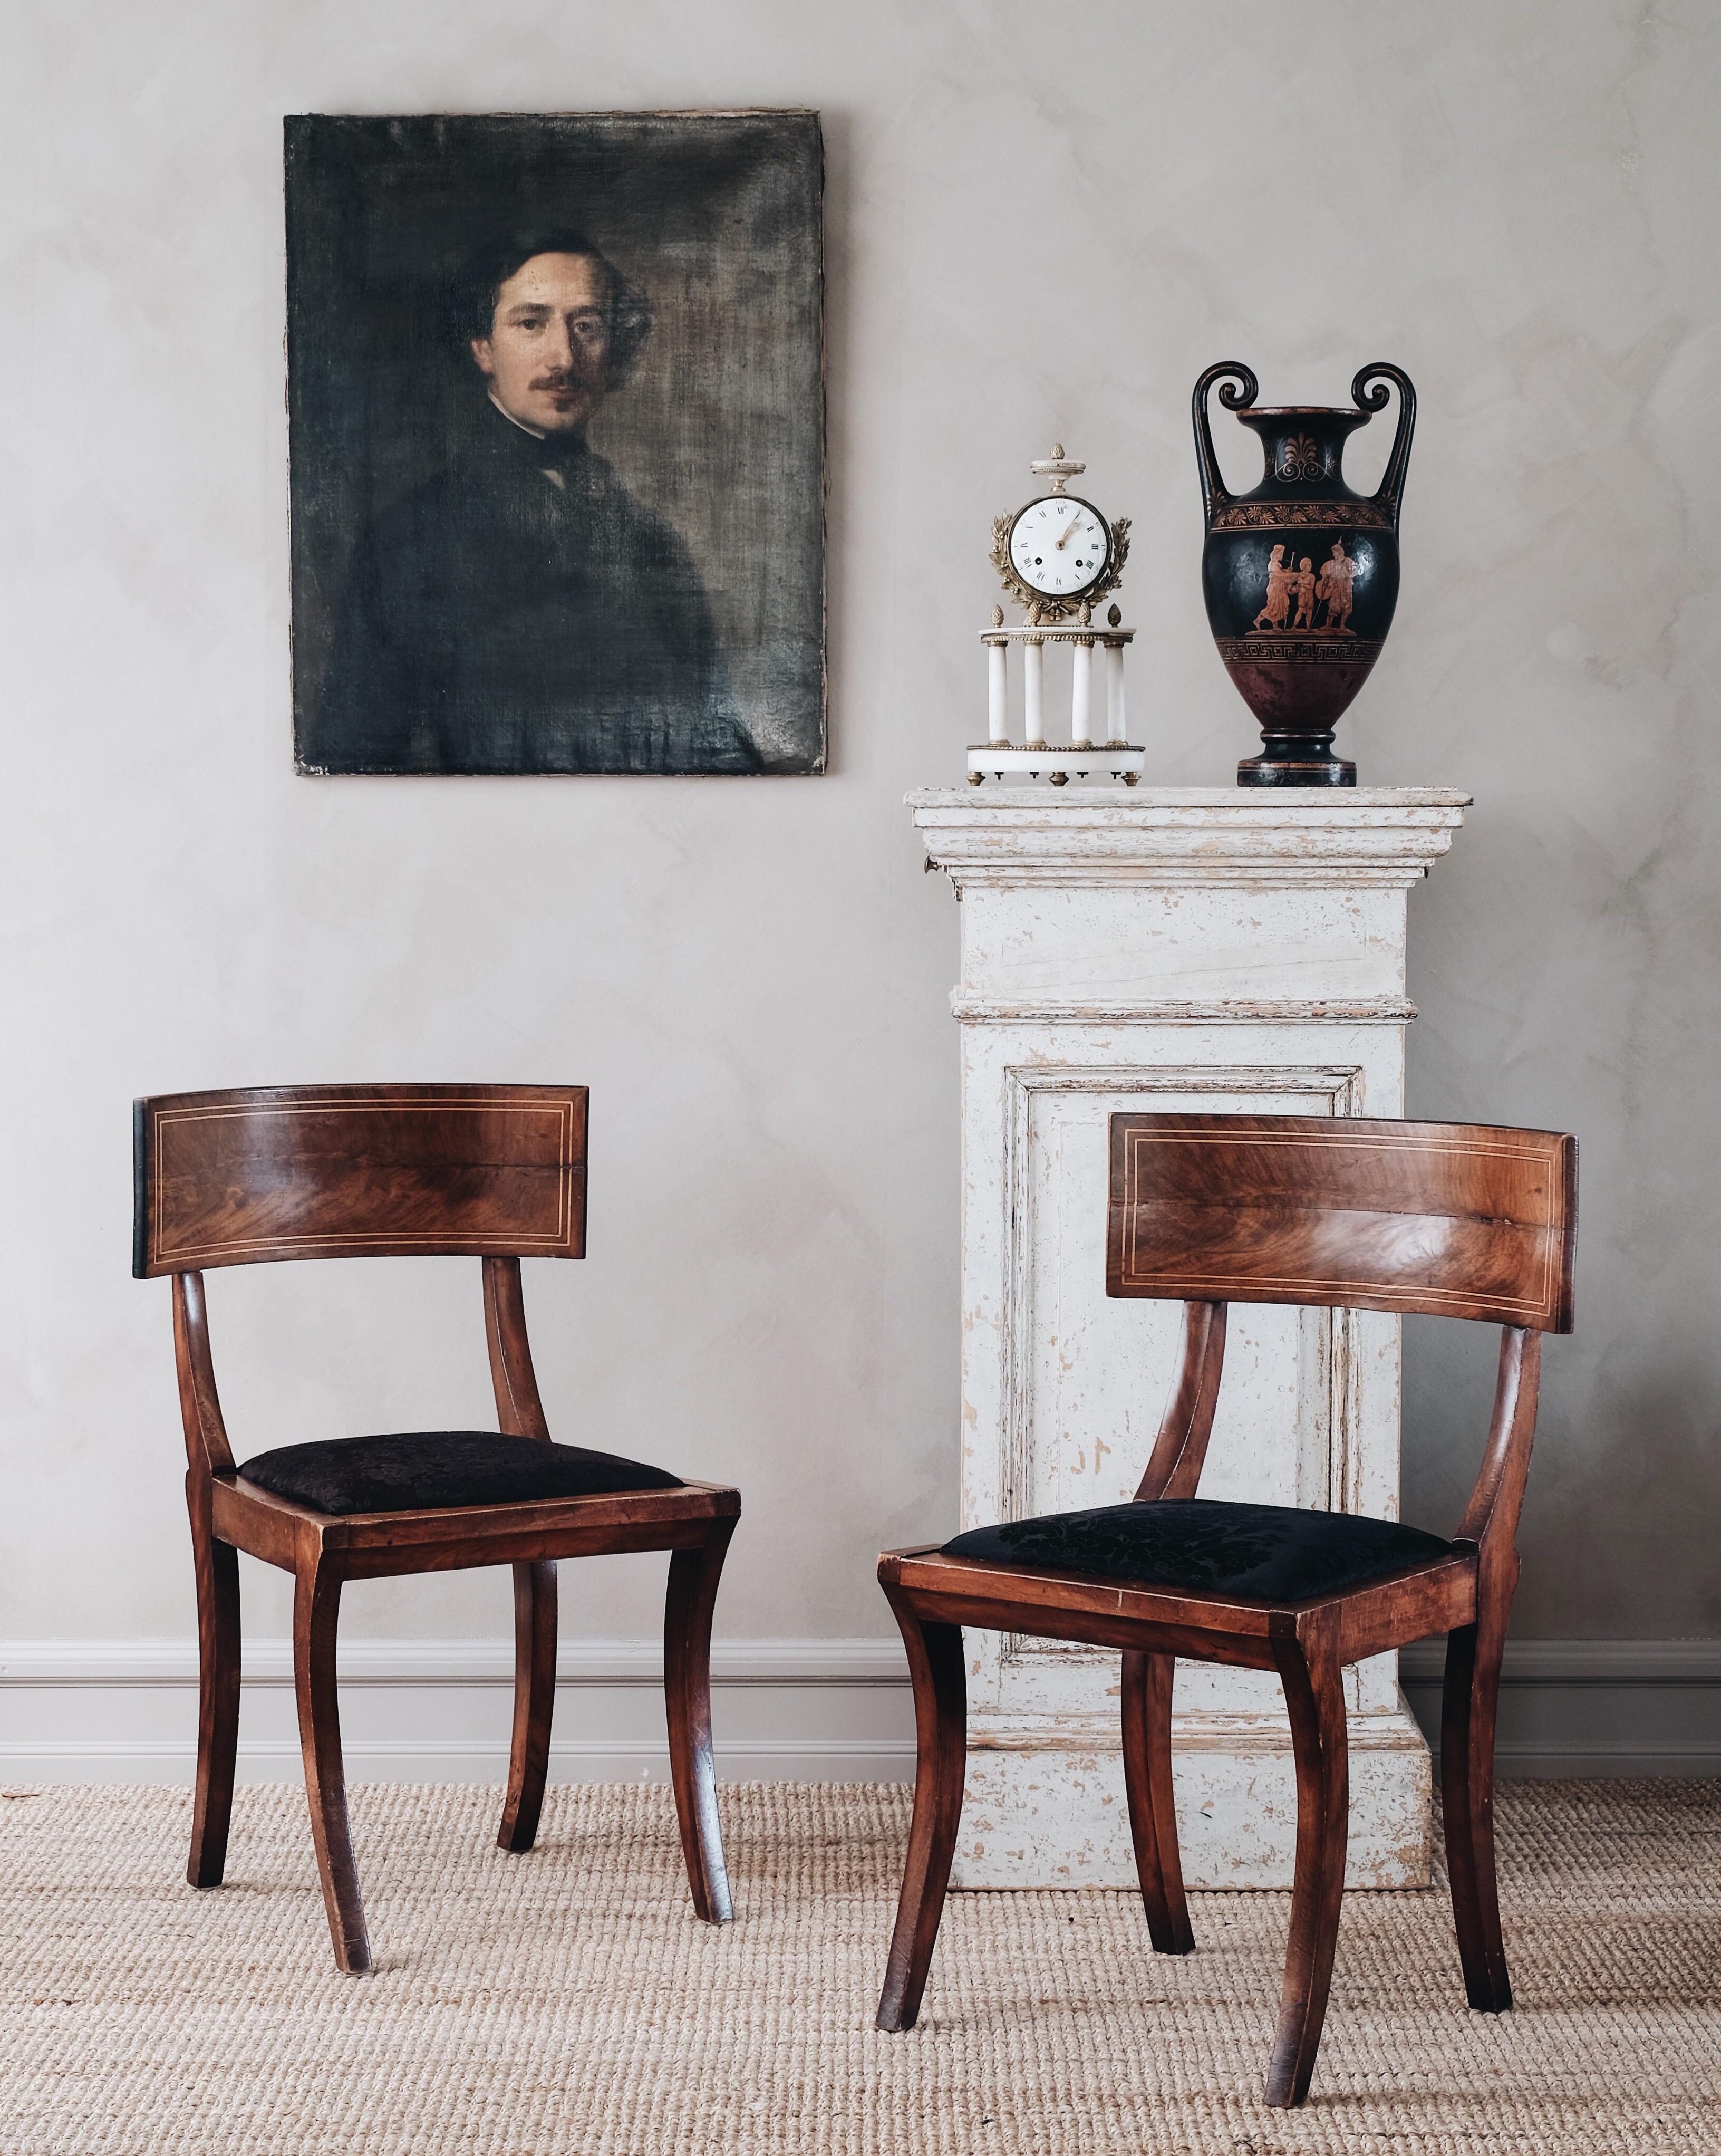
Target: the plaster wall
pixel 1031 234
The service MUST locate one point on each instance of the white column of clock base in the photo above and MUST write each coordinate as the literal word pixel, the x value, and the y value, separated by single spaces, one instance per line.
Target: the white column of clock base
pixel 1081 697
pixel 1033 691
pixel 997 691
pixel 1117 718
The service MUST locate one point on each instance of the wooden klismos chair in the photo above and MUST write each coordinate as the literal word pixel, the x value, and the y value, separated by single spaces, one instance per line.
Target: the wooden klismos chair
pixel 492 1172
pixel 1452 1219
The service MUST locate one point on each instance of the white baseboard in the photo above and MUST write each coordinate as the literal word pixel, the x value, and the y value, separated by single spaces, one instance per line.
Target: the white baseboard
pixel 488 1661
pixel 439 1711
pixel 795 1710
pixel 1615 1708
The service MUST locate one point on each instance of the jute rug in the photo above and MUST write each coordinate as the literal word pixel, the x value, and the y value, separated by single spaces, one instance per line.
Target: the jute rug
pixel 568 2001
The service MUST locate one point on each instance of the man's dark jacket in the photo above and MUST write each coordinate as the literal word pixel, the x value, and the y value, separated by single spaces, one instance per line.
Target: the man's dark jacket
pixel 520 612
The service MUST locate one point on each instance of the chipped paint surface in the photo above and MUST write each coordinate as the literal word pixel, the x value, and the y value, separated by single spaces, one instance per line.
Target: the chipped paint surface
pixel 1186 949
pixel 1060 1819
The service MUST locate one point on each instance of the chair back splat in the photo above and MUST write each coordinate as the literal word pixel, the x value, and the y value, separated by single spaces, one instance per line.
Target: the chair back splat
pixel 358 1172
pixel 1457 1219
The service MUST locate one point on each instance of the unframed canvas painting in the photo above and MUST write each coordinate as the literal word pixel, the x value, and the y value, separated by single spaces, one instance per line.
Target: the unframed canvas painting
pixel 556 430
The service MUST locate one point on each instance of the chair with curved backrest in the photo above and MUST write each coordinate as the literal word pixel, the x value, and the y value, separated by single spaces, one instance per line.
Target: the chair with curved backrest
pixel 1457 1220
pixel 492 1172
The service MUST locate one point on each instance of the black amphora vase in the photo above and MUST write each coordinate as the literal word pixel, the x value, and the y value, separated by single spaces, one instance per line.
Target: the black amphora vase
pixel 1300 576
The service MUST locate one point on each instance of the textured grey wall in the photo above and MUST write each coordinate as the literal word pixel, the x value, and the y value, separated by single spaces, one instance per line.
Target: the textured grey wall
pixel 1029 236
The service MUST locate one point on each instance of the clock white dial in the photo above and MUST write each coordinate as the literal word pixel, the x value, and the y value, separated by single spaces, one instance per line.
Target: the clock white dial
pixel 1059 546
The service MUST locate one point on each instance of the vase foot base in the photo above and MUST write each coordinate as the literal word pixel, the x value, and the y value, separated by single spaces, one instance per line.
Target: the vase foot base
pixel 1295 771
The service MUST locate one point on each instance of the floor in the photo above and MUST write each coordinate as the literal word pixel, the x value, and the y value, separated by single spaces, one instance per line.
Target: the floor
pixel 568 2001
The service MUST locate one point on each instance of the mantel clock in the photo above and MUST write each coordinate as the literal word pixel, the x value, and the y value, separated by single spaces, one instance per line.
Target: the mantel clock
pixel 1058 557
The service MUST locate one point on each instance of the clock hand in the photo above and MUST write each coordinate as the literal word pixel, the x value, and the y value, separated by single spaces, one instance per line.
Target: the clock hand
pixel 1067 529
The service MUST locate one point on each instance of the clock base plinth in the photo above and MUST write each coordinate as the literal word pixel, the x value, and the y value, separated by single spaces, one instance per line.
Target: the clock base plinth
pixel 1008 760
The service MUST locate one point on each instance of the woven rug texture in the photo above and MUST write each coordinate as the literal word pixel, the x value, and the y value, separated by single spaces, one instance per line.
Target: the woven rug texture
pixel 567 2002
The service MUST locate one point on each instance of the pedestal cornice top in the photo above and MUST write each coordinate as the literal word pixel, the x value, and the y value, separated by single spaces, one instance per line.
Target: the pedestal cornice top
pixel 1195 834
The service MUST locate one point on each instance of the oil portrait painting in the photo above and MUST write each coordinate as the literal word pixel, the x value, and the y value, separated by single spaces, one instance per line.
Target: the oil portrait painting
pixel 554 390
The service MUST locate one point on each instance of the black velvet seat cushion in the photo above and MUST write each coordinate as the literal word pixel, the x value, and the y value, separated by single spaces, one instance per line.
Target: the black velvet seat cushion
pixel 1268 1552
pixel 434 1469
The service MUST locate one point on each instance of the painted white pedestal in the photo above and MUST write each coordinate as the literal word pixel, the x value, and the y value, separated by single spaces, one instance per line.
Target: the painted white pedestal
pixel 1210 949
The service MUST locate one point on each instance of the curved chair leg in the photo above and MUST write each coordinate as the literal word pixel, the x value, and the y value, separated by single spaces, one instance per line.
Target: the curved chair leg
pixel 694 1575
pixel 218 1568
pixel 1314 1693
pixel 1467 1787
pixel 533 1703
pixel 1153 1811
pixel 941 1745
pixel 316 1612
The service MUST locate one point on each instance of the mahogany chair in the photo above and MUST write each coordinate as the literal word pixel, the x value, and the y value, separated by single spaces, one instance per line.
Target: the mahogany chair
pixel 1454 1218
pixel 492 1172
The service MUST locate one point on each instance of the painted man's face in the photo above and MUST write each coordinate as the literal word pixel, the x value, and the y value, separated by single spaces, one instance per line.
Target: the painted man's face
pixel 547 356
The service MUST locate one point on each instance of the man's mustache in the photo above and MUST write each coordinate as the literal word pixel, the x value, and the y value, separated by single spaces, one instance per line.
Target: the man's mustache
pixel 563 379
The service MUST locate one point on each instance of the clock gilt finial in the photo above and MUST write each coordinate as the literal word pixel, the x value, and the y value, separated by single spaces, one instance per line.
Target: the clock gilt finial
pixel 1057 467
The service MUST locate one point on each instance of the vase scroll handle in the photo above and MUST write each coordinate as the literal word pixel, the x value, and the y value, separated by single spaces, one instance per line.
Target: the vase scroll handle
pixel 1391 486
pixel 1238 390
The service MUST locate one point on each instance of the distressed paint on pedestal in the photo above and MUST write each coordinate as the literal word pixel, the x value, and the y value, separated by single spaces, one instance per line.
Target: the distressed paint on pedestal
pixel 1197 949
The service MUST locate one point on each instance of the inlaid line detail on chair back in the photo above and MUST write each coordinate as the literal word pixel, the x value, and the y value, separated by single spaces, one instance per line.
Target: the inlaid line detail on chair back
pixel 249 1178
pixel 1457 1219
